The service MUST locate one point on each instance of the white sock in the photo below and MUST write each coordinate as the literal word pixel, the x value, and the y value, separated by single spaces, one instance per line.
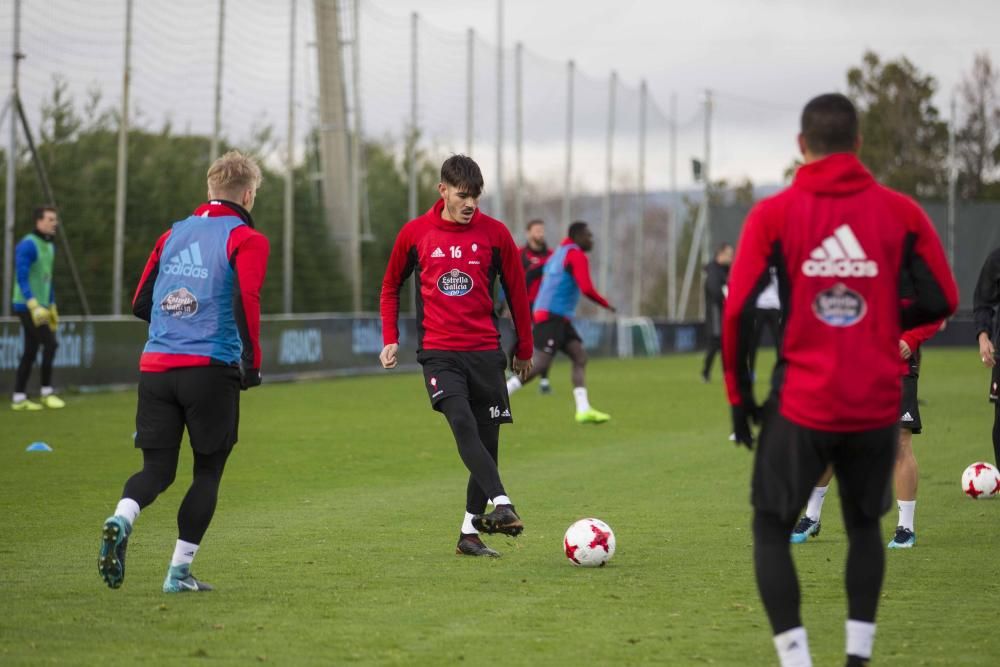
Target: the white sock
pixel 860 637
pixel 128 509
pixel 793 648
pixel 544 382
pixel 19 397
pixel 513 384
pixel 501 500
pixel 815 507
pixel 184 553
pixel 580 396
pixel 906 510
pixel 467 528
pixel 47 391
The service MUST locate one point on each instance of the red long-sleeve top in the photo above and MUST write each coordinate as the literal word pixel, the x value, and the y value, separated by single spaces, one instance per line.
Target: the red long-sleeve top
pixel 456 267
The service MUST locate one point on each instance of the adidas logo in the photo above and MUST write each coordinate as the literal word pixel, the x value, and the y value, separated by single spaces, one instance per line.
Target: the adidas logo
pixel 907 417
pixel 840 255
pixel 437 253
pixel 187 263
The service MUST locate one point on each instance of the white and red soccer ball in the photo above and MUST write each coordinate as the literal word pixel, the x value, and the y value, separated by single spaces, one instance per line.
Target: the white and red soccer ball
pixel 589 543
pixel 981 480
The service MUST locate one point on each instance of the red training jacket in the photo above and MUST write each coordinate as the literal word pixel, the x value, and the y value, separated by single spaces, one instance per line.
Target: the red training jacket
pixel 840 242
pixel 533 262
pixel 456 267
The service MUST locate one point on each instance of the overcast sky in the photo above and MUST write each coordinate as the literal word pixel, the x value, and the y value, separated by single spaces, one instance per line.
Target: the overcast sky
pixel 762 59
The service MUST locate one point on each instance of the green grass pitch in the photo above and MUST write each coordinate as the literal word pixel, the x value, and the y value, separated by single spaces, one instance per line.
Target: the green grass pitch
pixel 334 538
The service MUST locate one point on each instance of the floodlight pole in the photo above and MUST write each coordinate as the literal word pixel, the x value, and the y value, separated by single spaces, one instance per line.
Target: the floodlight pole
pixel 121 180
pixel 411 144
pixel 10 209
pixel 498 209
pixel 567 207
pixel 952 182
pixel 217 121
pixel 288 231
pixel 470 89
pixel 674 225
pixel 641 196
pixel 605 240
pixel 519 136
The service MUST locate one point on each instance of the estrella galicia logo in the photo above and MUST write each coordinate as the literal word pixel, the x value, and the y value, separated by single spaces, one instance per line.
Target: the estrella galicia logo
pixel 455 283
pixel 180 303
pixel 839 306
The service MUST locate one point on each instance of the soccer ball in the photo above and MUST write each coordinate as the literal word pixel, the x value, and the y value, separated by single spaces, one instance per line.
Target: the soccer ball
pixel 589 543
pixel 981 480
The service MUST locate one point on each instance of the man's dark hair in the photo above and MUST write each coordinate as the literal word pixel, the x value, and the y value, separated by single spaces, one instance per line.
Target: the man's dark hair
pixel 532 223
pixel 725 245
pixel 576 229
pixel 830 124
pixel 39 212
pixel 461 171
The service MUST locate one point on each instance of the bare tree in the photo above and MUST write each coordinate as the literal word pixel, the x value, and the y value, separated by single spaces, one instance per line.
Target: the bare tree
pixel 978 139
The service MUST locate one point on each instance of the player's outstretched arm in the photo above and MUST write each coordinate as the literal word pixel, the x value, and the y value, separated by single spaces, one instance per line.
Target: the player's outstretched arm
pixel 579 266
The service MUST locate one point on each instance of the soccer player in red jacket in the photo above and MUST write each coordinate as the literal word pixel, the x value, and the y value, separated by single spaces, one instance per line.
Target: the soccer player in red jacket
pixel 200 293
pixel 457 253
pixel 534 253
pixel 840 243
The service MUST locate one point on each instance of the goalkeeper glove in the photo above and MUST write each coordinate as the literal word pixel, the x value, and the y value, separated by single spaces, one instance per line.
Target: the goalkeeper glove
pixel 53 318
pixel 39 314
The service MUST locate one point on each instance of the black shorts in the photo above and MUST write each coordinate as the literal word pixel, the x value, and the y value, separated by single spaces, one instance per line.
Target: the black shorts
pixel 476 376
pixel 909 410
pixel 554 334
pixel 205 399
pixel 791 458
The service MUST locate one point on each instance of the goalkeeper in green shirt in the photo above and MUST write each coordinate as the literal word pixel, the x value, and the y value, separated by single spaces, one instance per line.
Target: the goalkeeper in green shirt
pixel 35 305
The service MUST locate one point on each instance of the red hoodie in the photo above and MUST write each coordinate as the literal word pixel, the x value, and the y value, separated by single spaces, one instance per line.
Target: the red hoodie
pixel 456 266
pixel 840 242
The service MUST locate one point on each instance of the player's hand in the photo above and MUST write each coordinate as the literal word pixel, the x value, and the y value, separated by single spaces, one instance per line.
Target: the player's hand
pixel 39 314
pixel 249 377
pixel 612 308
pixel 53 318
pixel 389 355
pixel 904 350
pixel 741 424
pixel 521 368
pixel 986 351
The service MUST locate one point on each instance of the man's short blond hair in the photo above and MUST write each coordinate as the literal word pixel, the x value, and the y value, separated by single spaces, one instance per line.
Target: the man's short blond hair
pixel 233 174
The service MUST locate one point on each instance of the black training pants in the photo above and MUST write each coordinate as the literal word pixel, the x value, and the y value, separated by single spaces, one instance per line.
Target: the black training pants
pixel 35 336
pixel 159 467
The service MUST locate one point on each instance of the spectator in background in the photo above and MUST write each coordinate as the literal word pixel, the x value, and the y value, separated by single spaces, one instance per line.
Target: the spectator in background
pixel 716 276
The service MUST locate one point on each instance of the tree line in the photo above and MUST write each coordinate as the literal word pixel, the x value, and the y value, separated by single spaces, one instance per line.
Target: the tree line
pixel 905 145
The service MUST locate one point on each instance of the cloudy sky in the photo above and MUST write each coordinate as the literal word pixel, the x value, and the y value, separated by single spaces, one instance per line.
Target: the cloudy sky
pixel 761 58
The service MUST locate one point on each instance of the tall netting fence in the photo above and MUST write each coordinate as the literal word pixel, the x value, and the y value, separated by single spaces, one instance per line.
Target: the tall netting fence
pixel 556 141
